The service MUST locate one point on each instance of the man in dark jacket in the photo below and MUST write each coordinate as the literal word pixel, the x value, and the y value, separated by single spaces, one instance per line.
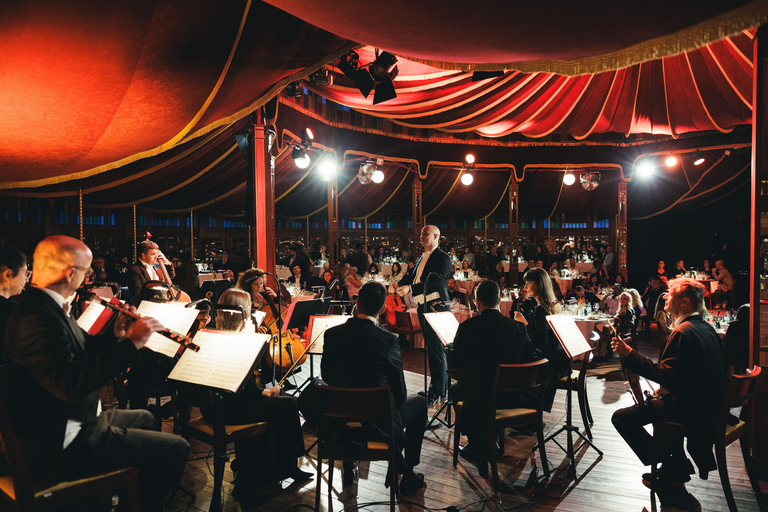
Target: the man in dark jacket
pixel 360 354
pixel 691 371
pixel 53 378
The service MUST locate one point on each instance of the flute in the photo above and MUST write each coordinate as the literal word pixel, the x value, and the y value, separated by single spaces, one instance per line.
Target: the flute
pixel 183 340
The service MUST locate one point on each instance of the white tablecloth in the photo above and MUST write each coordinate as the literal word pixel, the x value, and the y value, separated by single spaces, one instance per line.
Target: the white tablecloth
pixel 209 276
pixel 468 286
pixel 283 272
pixel 565 284
pixel 709 284
pixel 585 267
pixel 586 326
pixel 506 306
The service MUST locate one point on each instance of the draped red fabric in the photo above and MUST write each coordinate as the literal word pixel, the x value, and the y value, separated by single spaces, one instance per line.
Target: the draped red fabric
pixel 498 31
pixel 705 89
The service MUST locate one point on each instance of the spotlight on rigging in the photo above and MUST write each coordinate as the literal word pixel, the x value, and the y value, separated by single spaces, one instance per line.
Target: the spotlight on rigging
pixel 384 70
pixel 293 90
pixel 327 167
pixel 307 137
pixel 322 77
pixel 377 176
pixel 350 66
pixel 671 161
pixel 300 158
pixel 470 159
pixel 467 178
pixel 698 158
pixel 589 180
pixel 645 169
pixel 569 178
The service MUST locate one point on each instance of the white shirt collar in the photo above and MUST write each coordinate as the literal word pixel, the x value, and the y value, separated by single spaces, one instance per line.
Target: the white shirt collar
pixel 60 300
pixel 146 265
pixel 680 319
pixel 371 318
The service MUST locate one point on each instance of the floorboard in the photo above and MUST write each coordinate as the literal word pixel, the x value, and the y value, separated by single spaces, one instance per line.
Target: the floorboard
pixel 603 483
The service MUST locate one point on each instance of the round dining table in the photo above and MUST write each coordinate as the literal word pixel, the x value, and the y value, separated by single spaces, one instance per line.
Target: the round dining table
pixel 587 324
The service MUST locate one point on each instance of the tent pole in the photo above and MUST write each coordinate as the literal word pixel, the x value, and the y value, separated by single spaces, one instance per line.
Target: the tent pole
pixel 134 233
pixel 192 236
pixel 80 193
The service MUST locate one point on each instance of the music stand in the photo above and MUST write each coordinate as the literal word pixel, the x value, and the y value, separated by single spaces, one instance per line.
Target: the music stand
pixel 574 344
pixel 298 315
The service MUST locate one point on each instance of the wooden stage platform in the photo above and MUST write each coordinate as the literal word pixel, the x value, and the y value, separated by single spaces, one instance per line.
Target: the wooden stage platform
pixel 609 483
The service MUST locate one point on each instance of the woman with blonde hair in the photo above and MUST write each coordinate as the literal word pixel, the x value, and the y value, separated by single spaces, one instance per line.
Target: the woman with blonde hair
pixel 625 316
pixel 232 320
pixel 538 285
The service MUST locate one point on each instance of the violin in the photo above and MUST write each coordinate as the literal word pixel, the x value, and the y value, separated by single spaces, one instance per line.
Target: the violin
pixel 286 350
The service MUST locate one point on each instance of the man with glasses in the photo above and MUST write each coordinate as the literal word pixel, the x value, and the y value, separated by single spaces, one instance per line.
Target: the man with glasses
pixel 13 277
pixel 53 379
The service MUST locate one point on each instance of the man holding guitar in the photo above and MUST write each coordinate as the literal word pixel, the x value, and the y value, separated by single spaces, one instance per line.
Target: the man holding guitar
pixel 691 371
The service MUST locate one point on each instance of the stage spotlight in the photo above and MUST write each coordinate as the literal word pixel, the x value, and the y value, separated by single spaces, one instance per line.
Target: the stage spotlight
pixel 569 178
pixel 385 66
pixel 327 167
pixel 384 91
pixel 300 158
pixel 645 169
pixel 470 158
pixel 293 90
pixel 377 176
pixel 698 159
pixel 467 178
pixel 671 161
pixel 307 137
pixel 322 77
pixel 350 66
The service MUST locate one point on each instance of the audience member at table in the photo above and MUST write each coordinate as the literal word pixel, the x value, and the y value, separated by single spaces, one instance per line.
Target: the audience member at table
pixel 637 304
pixel 397 271
pixel 661 272
pixel 736 342
pixel 620 280
pixel 465 267
pixel 593 284
pixel 380 255
pixel 570 264
pixel 468 258
pixel 610 303
pixel 543 339
pixel 680 270
pixel 492 259
pixel 624 319
pixel 542 256
pixel 707 269
pixel 393 303
pixel 540 264
pixel 298 279
pixel 581 296
pixel 373 271
pixel 724 284
pixel 599 270
pixel 353 282
pixel 456 294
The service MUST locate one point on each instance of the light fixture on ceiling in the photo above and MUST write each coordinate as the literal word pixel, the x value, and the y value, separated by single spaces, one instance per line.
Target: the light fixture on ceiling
pixel 349 64
pixel 470 159
pixel 645 169
pixel 300 158
pixel 327 167
pixel 307 136
pixel 293 90
pixel 569 179
pixel 671 161
pixel 384 70
pixel 370 171
pixel 698 158
pixel 467 178
pixel 322 77
pixel 589 180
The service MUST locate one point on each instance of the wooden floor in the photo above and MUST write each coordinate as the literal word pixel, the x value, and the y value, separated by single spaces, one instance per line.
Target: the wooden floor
pixel 611 482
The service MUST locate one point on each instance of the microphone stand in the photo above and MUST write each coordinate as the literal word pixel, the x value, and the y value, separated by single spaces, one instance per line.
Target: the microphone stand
pixel 446 406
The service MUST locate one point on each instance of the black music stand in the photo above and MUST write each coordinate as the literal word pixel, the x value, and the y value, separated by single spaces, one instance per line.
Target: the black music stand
pixel 298 317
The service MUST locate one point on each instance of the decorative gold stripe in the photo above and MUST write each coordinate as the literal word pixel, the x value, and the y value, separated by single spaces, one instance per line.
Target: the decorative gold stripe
pixel 446 195
pixel 503 195
pixel 701 100
pixel 602 109
pixel 202 205
pixel 744 100
pixel 666 98
pixel 560 193
pixel 727 24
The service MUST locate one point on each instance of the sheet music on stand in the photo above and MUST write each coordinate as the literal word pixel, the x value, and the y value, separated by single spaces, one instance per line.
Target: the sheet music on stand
pixel 173 316
pixel 94 318
pixel 258 317
pixel 318 324
pixel 571 338
pixel 445 325
pixel 224 362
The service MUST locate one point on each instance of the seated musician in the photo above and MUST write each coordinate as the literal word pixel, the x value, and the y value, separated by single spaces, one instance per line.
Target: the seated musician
pixel 360 354
pixel 691 371
pixel 54 372
pixel 524 305
pixel 481 343
pixel 147 268
pixel 252 281
pixel 13 277
pixel 456 294
pixel 253 467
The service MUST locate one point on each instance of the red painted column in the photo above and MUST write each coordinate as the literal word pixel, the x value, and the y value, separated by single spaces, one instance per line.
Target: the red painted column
pixel 263 214
pixel 513 229
pixel 418 220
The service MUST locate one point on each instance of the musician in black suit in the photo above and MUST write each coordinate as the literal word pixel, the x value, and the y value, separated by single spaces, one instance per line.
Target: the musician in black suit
pixel 481 343
pixel 360 354
pixel 147 268
pixel 691 371
pixel 432 260
pixel 54 374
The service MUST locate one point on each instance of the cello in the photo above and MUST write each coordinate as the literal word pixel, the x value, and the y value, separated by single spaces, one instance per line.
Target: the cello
pixel 285 350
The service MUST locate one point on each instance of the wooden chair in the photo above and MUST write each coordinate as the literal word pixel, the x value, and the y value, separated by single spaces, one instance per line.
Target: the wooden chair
pixel 354 406
pixel 739 394
pixel 511 379
pixel 19 493
pixel 219 436
pixel 578 383
pixel 405 326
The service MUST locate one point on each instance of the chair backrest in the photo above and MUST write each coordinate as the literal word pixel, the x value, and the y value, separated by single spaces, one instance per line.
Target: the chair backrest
pixel 403 319
pixel 355 404
pixel 524 377
pixel 739 394
pixel 22 483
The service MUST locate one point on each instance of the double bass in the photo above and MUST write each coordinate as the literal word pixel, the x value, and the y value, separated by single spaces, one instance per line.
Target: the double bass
pixel 177 294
